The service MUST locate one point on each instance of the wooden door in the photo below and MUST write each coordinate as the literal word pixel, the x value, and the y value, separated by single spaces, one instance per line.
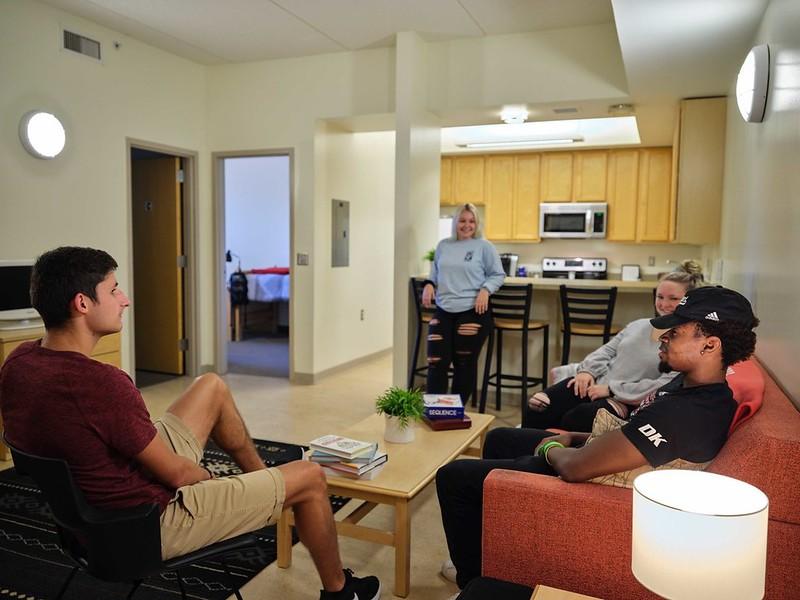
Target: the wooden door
pixel 157 275
pixel 446 182
pixel 589 180
pixel 556 177
pixel 525 213
pixel 468 179
pixel 499 195
pixel 623 195
pixel 655 195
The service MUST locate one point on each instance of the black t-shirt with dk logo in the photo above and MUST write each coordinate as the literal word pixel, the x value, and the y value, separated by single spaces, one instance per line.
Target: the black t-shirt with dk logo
pixel 682 422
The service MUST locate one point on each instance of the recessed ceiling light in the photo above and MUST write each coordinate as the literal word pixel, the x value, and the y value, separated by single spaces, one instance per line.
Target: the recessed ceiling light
pixel 620 110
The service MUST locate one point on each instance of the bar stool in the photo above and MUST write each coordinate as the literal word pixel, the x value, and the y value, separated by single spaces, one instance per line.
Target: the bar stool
pixel 424 315
pixel 587 312
pixel 511 309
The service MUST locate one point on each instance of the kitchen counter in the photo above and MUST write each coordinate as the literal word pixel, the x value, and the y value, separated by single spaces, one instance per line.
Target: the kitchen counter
pixel 547 283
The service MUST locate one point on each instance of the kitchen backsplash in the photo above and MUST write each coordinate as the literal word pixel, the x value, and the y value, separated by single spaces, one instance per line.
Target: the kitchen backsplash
pixel 665 256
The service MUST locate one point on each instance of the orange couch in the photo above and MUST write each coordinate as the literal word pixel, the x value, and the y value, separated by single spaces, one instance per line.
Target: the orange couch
pixel 577 536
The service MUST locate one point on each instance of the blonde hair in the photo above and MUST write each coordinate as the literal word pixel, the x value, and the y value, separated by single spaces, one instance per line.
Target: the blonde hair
pixel 688 273
pixel 474 210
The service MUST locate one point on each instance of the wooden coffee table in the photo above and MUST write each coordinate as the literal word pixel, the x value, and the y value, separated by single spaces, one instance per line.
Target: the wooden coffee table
pixel 409 469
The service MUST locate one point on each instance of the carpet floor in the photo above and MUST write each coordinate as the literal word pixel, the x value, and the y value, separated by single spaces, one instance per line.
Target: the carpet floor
pixel 32 566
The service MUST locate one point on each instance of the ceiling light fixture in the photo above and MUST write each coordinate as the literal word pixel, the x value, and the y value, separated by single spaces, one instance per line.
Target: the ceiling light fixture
pixel 510 143
pixel 514 114
pixel 752 84
pixel 620 110
pixel 42 134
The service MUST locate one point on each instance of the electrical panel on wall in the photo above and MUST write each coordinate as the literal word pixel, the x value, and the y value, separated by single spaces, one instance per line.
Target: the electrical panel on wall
pixel 340 234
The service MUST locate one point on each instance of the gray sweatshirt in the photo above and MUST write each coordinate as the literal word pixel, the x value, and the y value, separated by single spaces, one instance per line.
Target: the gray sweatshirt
pixel 461 268
pixel 628 363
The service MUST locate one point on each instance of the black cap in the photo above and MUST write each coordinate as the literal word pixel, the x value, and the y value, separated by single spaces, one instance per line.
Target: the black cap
pixel 710 303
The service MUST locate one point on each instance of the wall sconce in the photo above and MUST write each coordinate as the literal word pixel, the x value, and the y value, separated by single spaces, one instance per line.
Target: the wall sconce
pixel 42 134
pixel 752 84
pixel 699 535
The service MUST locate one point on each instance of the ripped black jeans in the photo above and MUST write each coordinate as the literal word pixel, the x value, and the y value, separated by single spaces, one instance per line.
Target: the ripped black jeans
pixel 456 338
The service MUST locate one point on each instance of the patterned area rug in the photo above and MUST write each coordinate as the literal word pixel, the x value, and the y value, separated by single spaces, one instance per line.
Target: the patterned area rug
pixel 32 566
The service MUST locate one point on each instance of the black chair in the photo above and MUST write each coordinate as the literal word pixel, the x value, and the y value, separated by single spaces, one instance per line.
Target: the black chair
pixel 511 309
pixel 112 545
pixel 586 312
pixel 424 315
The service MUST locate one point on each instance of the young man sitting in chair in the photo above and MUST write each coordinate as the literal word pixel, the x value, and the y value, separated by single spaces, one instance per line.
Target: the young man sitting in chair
pixel 684 424
pixel 58 402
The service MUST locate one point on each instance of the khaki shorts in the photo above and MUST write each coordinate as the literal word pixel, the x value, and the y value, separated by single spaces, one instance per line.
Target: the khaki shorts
pixel 210 511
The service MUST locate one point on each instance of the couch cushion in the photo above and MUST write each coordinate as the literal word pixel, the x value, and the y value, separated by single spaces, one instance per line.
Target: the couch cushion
pixel 747 384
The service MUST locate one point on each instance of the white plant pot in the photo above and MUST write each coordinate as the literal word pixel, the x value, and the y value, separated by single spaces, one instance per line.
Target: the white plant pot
pixel 396 434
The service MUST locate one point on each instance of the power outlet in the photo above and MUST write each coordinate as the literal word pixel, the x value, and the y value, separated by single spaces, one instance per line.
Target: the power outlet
pixel 362 314
pixel 651 261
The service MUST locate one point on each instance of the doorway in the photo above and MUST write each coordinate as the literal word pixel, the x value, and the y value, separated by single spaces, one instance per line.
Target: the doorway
pixel 254 228
pixel 160 235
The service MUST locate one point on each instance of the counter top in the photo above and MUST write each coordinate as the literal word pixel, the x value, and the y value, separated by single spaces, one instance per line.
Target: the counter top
pixel 547 283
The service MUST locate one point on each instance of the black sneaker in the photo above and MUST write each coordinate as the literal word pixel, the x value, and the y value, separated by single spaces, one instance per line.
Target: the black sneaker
pixel 355 588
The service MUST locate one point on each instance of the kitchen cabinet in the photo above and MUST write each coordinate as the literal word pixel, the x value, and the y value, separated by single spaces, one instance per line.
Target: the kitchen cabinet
pixel 699 154
pixel 589 176
pixel 446 196
pixel 623 195
pixel 468 179
pixel 525 222
pixel 512 197
pixel 556 177
pixel 655 207
pixel 500 193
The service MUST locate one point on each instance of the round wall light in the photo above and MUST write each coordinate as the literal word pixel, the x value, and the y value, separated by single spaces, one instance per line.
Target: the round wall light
pixel 752 84
pixel 42 134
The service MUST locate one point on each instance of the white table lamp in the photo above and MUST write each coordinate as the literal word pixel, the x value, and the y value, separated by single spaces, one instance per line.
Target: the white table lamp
pixel 699 535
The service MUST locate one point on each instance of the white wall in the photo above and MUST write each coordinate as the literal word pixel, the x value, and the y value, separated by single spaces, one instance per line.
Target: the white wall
pixel 761 208
pixel 257 211
pixel 358 168
pixel 81 198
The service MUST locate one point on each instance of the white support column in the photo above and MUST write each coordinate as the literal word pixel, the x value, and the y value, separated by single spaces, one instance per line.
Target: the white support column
pixel 417 161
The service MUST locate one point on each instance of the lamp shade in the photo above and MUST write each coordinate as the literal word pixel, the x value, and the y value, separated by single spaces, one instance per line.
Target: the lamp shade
pixel 699 535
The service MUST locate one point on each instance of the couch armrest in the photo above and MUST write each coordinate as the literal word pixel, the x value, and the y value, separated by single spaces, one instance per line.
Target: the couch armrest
pixel 574 536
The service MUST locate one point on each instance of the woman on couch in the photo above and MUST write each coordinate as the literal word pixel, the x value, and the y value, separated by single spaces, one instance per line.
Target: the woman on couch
pixel 618 375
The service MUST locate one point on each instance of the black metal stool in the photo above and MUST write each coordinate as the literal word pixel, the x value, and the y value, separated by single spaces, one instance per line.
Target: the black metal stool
pixel 424 315
pixel 511 307
pixel 587 312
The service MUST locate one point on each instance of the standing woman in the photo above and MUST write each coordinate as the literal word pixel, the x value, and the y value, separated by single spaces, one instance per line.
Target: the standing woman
pixel 466 270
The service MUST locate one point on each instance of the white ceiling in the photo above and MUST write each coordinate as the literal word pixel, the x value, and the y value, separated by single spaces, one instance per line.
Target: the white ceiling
pixel 215 32
pixel 671 49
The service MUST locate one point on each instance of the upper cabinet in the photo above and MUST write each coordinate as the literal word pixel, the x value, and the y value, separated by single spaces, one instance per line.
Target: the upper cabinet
pixel 446 196
pixel 468 180
pixel 699 154
pixel 512 197
pixel 623 195
pixel 654 210
pixel 556 177
pixel 590 175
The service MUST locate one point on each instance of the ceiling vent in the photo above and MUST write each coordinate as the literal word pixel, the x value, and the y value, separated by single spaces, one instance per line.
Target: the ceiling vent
pixel 565 110
pixel 81 44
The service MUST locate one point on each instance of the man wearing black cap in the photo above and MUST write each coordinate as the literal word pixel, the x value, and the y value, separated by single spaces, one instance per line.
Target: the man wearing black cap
pixel 684 424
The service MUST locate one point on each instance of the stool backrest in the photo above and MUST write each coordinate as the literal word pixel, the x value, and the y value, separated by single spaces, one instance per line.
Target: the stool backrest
pixel 417 285
pixel 512 302
pixel 588 306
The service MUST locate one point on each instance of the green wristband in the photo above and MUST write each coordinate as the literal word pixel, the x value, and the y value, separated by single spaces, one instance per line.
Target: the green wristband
pixel 547 445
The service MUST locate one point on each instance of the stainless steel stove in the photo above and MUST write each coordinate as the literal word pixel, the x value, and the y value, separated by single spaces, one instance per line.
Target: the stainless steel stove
pixel 575 268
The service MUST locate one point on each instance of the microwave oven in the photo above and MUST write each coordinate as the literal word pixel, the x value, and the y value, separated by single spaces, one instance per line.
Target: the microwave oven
pixel 573 219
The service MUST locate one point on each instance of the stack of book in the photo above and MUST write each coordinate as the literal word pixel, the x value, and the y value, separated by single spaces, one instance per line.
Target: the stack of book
pixel 345 457
pixel 445 411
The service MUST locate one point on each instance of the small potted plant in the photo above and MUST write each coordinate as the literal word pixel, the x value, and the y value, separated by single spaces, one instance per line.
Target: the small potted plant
pixel 402 408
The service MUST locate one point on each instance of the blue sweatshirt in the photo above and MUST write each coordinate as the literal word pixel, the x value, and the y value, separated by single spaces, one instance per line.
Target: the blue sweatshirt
pixel 461 268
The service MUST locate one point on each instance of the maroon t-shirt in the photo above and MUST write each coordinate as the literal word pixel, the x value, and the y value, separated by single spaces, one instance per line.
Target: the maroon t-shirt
pixel 66 405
